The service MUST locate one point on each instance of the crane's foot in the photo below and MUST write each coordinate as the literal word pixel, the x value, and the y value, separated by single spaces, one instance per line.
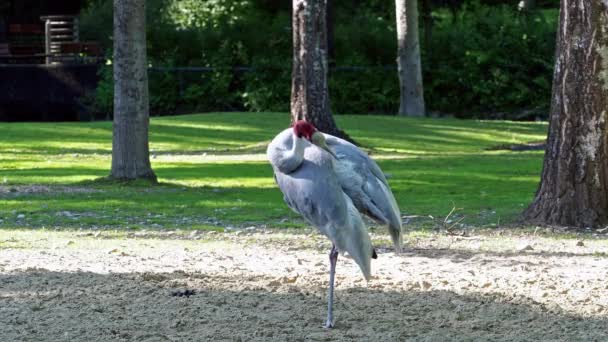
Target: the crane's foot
pixel 328 324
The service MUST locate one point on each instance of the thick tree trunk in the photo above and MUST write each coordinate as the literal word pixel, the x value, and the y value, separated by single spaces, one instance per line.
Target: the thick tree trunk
pixel 408 59
pixel 130 154
pixel 309 91
pixel 574 185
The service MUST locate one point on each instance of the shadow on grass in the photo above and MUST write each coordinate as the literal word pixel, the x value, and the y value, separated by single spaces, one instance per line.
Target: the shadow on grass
pixel 218 131
pixel 423 135
pixel 52 174
pixel 42 305
pixel 487 189
pixel 207 132
pixel 161 206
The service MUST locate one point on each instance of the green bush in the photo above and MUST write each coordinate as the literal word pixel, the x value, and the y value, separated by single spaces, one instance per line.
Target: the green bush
pixel 100 103
pixel 481 61
pixel 488 60
pixel 373 90
pixel 267 88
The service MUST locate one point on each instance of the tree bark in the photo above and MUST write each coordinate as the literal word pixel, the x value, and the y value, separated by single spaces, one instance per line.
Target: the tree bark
pixel 130 152
pixel 309 91
pixel 574 184
pixel 408 59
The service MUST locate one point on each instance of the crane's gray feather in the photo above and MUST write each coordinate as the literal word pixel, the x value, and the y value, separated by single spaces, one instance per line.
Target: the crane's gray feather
pixel 313 190
pixel 365 183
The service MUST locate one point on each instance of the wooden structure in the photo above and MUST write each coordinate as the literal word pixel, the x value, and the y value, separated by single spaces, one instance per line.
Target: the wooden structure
pixel 58 29
pixel 55 40
pixel 47 72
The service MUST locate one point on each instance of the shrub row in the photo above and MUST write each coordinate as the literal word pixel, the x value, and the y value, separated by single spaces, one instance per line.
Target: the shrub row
pixel 480 61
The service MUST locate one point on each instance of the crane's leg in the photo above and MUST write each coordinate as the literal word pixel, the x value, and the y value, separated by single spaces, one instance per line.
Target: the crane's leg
pixel 333 258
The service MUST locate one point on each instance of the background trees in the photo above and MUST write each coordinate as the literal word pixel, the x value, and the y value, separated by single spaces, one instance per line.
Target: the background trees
pixel 488 60
pixel 411 94
pixel 574 185
pixel 130 154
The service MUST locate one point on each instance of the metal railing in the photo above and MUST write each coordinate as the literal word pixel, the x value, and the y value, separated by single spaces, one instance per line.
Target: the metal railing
pixel 58 29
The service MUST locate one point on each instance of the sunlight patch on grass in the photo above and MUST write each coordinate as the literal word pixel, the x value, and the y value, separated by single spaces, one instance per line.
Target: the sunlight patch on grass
pixel 216 127
pixel 260 183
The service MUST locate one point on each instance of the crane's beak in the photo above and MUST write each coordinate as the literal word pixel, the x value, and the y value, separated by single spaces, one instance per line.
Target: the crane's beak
pixel 318 139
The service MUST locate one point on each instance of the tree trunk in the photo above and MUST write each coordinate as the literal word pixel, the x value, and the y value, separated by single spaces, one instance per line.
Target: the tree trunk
pixel 130 154
pixel 574 184
pixel 309 91
pixel 408 59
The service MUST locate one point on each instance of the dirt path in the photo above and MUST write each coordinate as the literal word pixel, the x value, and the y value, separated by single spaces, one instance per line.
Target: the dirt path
pixel 269 286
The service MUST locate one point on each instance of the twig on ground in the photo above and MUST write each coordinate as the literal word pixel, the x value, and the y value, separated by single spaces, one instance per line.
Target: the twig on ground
pixel 446 220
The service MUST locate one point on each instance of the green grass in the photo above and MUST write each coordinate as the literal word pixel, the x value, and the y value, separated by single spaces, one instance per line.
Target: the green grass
pixel 213 172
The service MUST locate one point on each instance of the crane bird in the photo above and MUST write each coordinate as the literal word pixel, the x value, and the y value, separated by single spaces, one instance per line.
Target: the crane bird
pixel 330 181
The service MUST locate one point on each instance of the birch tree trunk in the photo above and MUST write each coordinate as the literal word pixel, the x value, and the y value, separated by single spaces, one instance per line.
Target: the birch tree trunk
pixel 408 59
pixel 130 153
pixel 309 91
pixel 574 184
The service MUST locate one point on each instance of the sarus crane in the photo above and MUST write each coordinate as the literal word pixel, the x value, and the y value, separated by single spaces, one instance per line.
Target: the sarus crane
pixel 330 182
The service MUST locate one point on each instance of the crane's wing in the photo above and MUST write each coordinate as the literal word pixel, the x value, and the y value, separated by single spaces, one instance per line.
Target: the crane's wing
pixel 364 182
pixel 313 191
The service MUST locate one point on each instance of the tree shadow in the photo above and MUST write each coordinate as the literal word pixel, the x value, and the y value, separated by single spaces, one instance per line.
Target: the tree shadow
pixel 426 134
pixel 42 305
pixel 489 188
pixel 234 131
pixel 167 205
pixel 458 255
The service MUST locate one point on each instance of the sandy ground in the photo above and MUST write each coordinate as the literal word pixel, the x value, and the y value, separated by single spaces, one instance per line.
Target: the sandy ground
pixel 271 286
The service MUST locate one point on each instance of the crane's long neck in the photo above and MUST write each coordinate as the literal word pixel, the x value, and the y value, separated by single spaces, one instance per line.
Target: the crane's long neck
pixel 293 158
pixel 297 148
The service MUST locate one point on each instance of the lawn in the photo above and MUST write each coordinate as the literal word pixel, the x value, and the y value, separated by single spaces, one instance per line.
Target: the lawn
pixel 270 284
pixel 213 172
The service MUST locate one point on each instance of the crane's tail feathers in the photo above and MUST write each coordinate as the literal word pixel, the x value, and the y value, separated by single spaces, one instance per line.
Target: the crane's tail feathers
pixel 390 214
pixel 396 236
pixel 353 238
pixel 392 220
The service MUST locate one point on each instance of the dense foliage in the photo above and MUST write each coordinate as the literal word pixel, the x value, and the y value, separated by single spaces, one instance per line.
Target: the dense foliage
pixel 479 60
pixel 490 60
